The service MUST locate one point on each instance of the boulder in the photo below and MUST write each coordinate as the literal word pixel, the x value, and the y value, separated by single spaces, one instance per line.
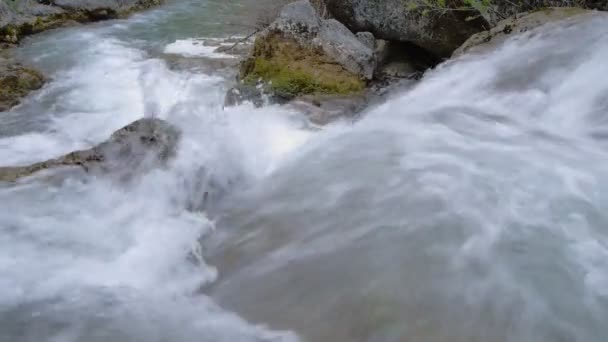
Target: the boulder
pixel 139 146
pixel 520 23
pixel 302 53
pixel 242 93
pixel 439 32
pixel 16 81
pixel 367 38
pixel 438 28
pixel 340 44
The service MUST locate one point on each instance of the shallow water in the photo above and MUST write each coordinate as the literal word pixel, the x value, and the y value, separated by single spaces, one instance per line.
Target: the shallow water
pixel 470 208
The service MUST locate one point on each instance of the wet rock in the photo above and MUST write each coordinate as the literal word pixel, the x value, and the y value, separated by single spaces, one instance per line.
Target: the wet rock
pixel 347 49
pixel 139 146
pixel 238 49
pixel 398 20
pixel 302 53
pixel 367 38
pixel 16 81
pixel 323 109
pixel 25 17
pixel 440 29
pixel 20 18
pixel 242 93
pixel 206 65
pixel 518 24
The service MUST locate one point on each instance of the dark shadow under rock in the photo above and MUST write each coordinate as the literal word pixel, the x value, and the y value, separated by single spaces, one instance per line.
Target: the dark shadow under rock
pixel 402 60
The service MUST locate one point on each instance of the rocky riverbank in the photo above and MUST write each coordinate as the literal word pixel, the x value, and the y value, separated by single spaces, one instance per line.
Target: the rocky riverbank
pixel 317 50
pixel 304 58
pixel 21 18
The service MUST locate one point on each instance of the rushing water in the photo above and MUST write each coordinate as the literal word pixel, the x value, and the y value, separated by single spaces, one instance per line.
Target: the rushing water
pixel 470 208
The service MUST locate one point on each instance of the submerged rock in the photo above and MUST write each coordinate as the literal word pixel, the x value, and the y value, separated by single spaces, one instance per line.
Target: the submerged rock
pixel 16 81
pixel 323 109
pixel 139 146
pixel 242 93
pixel 302 53
pixel 520 23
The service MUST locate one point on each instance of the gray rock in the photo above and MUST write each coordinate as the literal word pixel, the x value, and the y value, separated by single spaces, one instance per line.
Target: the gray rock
pixel 432 28
pixel 299 20
pixel 345 48
pixel 139 146
pixel 367 38
pixel 440 33
pixel 6 14
pixel 324 109
pixel 520 23
pixel 20 18
pixel 242 93
pixel 310 53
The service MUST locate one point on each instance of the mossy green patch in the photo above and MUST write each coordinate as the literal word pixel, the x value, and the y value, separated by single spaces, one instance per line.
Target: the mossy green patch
pixel 15 82
pixel 291 70
pixel 9 34
pixel 290 80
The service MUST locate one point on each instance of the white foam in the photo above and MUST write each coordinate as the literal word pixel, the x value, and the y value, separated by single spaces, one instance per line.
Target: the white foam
pixel 193 47
pixel 136 242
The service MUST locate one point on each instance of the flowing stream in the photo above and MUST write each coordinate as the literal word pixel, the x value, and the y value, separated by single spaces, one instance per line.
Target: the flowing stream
pixel 472 207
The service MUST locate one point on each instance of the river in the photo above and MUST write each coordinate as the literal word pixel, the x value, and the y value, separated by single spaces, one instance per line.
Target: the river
pixel 472 207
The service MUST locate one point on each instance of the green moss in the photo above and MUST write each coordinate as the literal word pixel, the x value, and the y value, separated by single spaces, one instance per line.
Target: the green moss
pixel 291 70
pixel 564 11
pixel 16 82
pixel 9 34
pixel 289 81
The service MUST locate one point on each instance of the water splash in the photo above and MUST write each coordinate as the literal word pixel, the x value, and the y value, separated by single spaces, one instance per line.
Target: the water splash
pixel 470 208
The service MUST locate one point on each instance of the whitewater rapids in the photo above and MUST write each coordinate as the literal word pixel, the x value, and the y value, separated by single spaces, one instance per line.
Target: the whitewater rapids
pixel 470 208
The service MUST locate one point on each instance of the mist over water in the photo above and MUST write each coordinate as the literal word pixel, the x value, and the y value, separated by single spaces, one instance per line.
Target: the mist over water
pixel 470 208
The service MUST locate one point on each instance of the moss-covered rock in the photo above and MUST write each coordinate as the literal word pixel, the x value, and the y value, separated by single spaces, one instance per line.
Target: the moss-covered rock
pixel 302 53
pixel 291 70
pixel 16 81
